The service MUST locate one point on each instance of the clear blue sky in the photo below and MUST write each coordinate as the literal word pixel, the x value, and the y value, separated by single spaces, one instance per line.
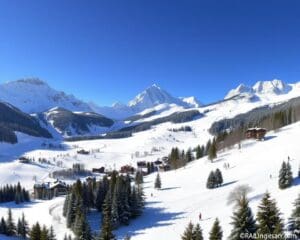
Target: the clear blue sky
pixel 110 50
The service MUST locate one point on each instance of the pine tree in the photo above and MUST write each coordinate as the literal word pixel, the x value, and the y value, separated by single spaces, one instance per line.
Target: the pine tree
pixel 35 233
pixel 189 155
pixel 211 180
pixel 19 227
pixel 157 183
pixel 11 227
pixel 115 219
pixel 219 177
pixel 82 229
pixel 188 233
pixel 243 220
pixel 24 227
pixel 216 232
pixel 285 176
pixel 289 175
pixel 212 151
pixel 294 221
pixel 197 232
pixel 268 216
pixel 199 152
pixel 106 229
pixel 44 233
pixel 71 211
pixel 51 234
pixel 3 226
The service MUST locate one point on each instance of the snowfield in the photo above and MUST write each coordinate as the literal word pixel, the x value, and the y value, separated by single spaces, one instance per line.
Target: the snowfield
pixel 184 194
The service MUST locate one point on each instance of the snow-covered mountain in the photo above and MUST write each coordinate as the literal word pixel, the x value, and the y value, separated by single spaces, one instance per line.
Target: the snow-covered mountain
pixel 148 99
pixel 69 123
pixel 261 89
pixel 33 95
pixel 153 96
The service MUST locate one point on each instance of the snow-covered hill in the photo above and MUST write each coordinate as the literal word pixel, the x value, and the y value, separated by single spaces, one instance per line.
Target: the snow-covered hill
pixel 33 95
pixel 184 193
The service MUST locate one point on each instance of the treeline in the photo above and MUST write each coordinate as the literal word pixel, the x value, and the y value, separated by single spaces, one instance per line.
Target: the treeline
pixel 268 223
pixel 9 228
pixel 16 193
pixel 181 129
pixel 116 198
pixel 179 158
pixel 231 131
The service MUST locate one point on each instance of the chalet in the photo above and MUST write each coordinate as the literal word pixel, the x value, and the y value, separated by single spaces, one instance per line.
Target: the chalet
pixel 49 190
pixel 127 169
pixel 256 133
pixel 142 164
pixel 24 160
pixel 84 152
pixel 98 170
pixel 164 168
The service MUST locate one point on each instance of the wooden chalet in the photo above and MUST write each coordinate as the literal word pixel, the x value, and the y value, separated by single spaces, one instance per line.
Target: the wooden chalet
pixel 50 190
pixel 256 133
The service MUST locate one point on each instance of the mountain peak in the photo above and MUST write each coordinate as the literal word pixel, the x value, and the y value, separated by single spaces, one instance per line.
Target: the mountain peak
pixel 261 88
pixel 33 95
pixel 151 97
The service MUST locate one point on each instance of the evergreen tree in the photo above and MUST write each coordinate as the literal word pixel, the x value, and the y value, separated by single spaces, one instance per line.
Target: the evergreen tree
pixel 294 221
pixel 199 152
pixel 11 227
pixel 82 229
pixel 71 211
pixel 24 227
pixel 219 177
pixel 35 233
pixel 44 233
pixel 157 183
pixel 289 175
pixel 285 176
pixel 188 233
pixel 106 229
pixel 216 232
pixel 282 174
pixel 197 232
pixel 51 234
pixel 268 216
pixel 189 155
pixel 3 226
pixel 243 220
pixel 211 180
pixel 212 151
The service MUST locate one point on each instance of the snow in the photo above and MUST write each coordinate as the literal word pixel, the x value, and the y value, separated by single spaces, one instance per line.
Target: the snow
pixel 151 97
pixel 33 95
pixel 184 192
pixel 191 101
pixel 262 89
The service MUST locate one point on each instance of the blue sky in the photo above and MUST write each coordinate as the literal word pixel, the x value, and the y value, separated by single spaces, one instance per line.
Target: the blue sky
pixel 110 50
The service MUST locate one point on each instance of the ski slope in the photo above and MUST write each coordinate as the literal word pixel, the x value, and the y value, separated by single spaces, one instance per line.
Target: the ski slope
pixel 184 194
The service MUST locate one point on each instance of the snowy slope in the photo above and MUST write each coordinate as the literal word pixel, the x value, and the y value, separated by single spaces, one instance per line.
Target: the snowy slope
pixel 34 95
pixel 184 194
pixel 191 101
